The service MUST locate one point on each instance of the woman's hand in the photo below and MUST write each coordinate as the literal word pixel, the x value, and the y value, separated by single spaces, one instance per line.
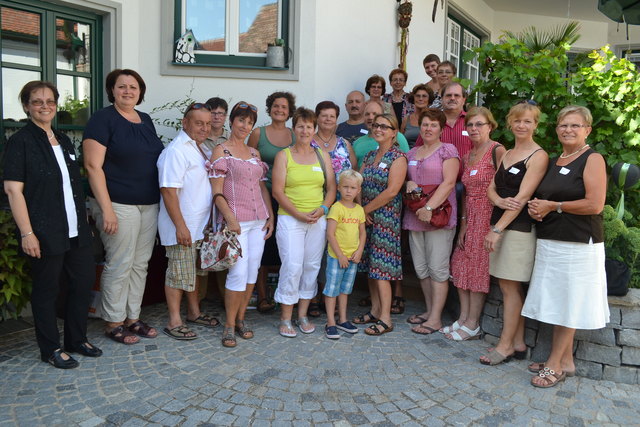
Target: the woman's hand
pixel 411 186
pixel 491 241
pixel 538 209
pixel 316 214
pixel 462 234
pixel 509 204
pixel 31 245
pixel 233 225
pixel 268 228
pixel 424 215
pixel 109 221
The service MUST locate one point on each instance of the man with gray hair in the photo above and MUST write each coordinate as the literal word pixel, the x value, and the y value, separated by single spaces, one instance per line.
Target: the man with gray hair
pixel 354 127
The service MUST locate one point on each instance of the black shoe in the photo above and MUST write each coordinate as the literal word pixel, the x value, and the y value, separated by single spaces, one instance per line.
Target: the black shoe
pixel 88 350
pixel 56 360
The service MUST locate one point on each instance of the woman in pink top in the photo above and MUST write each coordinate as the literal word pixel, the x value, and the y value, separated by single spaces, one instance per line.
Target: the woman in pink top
pixel 434 163
pixel 238 174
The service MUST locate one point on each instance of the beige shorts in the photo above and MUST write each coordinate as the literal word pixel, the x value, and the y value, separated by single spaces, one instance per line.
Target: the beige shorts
pixel 514 256
pixel 431 251
pixel 181 269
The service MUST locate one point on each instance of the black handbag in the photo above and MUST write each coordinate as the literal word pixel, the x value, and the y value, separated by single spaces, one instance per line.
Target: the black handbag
pixel 618 276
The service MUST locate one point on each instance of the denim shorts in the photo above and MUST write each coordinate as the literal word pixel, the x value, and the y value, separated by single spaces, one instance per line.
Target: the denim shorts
pixel 339 280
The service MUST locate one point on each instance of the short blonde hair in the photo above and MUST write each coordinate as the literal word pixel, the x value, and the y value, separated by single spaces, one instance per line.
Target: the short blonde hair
pixel 481 111
pixel 576 109
pixel 350 174
pixel 522 107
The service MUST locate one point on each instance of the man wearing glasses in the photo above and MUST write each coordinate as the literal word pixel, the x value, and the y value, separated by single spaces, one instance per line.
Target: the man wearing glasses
pixel 218 133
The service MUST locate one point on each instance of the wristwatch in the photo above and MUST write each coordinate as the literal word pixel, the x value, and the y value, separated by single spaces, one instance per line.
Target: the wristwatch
pixel 429 208
pixel 496 230
pixel 559 208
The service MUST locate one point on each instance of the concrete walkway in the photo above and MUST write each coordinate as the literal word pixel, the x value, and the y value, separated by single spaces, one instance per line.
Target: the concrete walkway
pixel 398 379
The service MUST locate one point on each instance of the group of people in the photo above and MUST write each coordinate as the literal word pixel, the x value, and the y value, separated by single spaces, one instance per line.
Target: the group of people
pixel 320 202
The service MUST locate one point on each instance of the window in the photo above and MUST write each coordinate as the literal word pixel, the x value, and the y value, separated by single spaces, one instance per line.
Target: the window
pixel 460 39
pixel 48 42
pixel 232 33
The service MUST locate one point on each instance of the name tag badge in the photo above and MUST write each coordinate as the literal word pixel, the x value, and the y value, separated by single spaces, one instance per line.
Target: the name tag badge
pixel 413 163
pixel 564 170
pixel 316 169
pixel 473 172
pixel 364 131
pixel 514 171
pixel 382 165
pixel 73 156
pixel 465 133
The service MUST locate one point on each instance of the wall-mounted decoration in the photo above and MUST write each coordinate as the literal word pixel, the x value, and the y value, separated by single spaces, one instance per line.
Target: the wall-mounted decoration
pixel 184 48
pixel 404 19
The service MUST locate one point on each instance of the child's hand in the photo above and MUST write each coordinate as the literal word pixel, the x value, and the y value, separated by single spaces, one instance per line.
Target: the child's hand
pixel 356 257
pixel 343 260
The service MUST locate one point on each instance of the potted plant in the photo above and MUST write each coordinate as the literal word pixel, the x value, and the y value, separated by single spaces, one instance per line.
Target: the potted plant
pixel 275 54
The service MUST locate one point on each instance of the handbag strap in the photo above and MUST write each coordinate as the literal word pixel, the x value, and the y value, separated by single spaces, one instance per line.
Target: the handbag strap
pixel 324 169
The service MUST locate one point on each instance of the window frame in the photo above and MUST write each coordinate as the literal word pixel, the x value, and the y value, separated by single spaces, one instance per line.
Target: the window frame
pixel 232 60
pixel 463 67
pixel 48 54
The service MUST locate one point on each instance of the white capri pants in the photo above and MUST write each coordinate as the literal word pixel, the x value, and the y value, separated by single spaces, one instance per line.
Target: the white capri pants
pixel 301 247
pixel 245 270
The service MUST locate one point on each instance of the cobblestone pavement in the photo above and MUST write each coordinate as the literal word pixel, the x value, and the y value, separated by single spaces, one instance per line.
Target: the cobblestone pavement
pixel 398 379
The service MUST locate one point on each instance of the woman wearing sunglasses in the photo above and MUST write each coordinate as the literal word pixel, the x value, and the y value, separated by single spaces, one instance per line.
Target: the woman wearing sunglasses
pixel 239 175
pixel 384 171
pixel 121 149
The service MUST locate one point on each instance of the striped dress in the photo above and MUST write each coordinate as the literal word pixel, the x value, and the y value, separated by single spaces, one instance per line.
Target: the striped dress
pixel 382 255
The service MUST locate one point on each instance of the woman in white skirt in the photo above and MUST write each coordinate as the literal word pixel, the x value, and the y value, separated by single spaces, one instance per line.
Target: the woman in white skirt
pixel 569 286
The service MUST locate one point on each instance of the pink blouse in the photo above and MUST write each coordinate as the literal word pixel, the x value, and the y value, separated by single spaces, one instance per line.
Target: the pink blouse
pixel 428 171
pixel 242 185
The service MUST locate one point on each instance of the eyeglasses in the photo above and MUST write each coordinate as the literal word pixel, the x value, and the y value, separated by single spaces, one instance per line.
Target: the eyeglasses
pixel 218 113
pixel 475 125
pixel 398 80
pixel 40 102
pixel 382 126
pixel 573 126
pixel 443 72
pixel 244 106
pixel 528 101
pixel 197 106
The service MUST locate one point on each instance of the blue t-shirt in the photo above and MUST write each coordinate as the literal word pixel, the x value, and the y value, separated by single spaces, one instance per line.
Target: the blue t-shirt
pixel 351 132
pixel 132 152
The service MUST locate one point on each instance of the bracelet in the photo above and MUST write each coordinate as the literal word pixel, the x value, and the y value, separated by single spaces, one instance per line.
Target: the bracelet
pixel 325 209
pixel 496 230
pixel 26 234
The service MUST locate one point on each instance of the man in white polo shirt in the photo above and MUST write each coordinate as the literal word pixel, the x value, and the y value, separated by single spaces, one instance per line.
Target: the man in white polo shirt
pixel 184 212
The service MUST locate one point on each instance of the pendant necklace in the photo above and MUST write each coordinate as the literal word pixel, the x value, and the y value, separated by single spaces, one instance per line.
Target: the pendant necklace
pixel 327 142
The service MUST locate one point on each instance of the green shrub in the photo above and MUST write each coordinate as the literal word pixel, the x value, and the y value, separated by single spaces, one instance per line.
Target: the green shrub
pixel 15 282
pixel 622 243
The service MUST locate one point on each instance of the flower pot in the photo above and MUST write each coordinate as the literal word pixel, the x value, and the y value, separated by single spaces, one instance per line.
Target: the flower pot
pixel 275 57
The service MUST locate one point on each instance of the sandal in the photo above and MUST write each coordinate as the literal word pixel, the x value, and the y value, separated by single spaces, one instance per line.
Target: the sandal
pixel 205 320
pixel 285 327
pixel 378 329
pixel 416 320
pixel 549 378
pixel 361 319
pixel 449 329
pixel 243 331
pixel 228 338
pixel 180 333
pixel 120 334
pixel 475 334
pixel 141 329
pixel 495 358
pixel 315 309
pixel 365 302
pixel 397 306
pixel 536 367
pixel 265 306
pixel 305 326
pixel 423 330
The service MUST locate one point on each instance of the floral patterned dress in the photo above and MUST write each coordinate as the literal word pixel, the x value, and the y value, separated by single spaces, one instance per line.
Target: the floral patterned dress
pixel 339 156
pixel 382 257
pixel 470 266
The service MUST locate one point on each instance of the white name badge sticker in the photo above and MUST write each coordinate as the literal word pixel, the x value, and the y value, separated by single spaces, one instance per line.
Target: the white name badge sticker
pixel 317 169
pixel 473 172
pixel 382 165
pixel 514 171
pixel 564 170
pixel 364 131
pixel 413 163
pixel 73 156
pixel 465 133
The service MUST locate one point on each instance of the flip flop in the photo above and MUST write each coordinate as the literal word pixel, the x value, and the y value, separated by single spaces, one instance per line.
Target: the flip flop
pixel 205 320
pixel 421 330
pixel 180 333
pixel 416 320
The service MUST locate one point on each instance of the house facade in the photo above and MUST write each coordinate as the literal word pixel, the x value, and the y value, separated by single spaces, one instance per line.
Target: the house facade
pixel 332 46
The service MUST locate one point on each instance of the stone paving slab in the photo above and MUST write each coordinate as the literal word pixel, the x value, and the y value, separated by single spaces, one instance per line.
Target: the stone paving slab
pixel 399 378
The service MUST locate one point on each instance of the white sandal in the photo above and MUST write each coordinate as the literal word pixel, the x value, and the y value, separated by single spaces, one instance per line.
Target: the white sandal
pixel 471 335
pixel 305 326
pixel 289 327
pixel 449 329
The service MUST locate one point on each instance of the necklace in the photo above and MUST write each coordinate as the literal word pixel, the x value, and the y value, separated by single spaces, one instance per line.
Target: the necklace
pixel 327 142
pixel 566 156
pixel 51 136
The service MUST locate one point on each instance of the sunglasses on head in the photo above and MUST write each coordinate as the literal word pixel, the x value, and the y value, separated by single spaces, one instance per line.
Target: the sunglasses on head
pixel 244 106
pixel 197 106
pixel 528 101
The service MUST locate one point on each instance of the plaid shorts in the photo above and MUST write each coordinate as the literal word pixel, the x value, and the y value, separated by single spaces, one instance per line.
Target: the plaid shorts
pixel 339 280
pixel 181 270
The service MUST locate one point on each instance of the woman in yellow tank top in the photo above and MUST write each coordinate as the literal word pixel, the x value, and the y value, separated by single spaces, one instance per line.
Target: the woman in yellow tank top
pixel 298 184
